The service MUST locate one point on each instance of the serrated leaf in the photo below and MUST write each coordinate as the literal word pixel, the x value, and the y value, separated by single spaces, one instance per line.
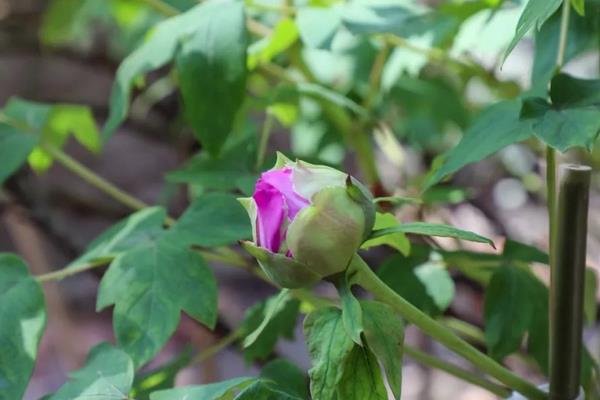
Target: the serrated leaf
pixel 213 391
pixel 23 316
pixel 140 229
pixel 211 67
pixel 495 128
pixel 509 310
pixel 288 377
pixel 214 219
pixel 427 229
pixel 269 320
pixel 149 287
pixel 565 128
pixel 362 377
pixel 329 346
pixel 156 52
pixel 398 240
pixel 285 33
pixel 107 374
pixel 384 334
pixel 535 13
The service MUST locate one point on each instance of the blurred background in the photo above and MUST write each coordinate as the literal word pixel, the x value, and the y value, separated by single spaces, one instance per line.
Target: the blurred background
pixel 68 51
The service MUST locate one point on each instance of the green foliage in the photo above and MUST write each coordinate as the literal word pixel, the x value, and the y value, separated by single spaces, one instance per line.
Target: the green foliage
pixel 266 322
pixel 427 229
pixel 15 147
pixel 329 346
pixel 352 316
pixel 361 379
pixel 287 376
pixel 159 378
pixel 214 391
pixel 23 315
pixel 108 373
pixel 397 240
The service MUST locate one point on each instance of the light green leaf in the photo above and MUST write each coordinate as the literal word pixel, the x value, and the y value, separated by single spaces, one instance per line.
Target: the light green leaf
pixel 351 311
pixel 437 281
pixel 579 6
pixel 211 67
pixel 321 92
pixel 288 377
pixel 534 15
pixel 361 379
pixel 214 219
pixel 509 310
pixel 23 316
pixel 426 229
pixel 156 52
pixel 213 391
pixel 398 241
pixel 329 346
pixel 318 25
pixel 384 333
pixel 107 374
pixel 269 320
pixel 285 33
pixel 149 287
pixel 495 128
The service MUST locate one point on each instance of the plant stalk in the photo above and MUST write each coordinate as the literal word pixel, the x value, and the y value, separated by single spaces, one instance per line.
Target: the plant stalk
pixel 568 282
pixel 366 278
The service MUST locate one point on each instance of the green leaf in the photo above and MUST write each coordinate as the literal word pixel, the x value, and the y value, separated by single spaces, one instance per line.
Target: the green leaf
pixel 495 128
pixel 214 219
pixel 225 172
pixel 213 391
pixel 138 230
pixel 267 321
pixel 518 251
pixel 579 6
pixel 534 15
pixel 329 346
pixel 160 378
pixel 284 35
pixel 107 374
pixel 384 335
pixel 565 128
pixel 261 390
pixel 509 310
pixel 318 25
pixel 590 302
pixel 23 316
pixel 398 241
pixel 567 91
pixel 288 377
pixel 15 147
pixel 426 229
pixel 351 311
pixel 61 121
pixel 149 287
pixel 422 279
pixel 211 67
pixel 156 52
pixel 362 377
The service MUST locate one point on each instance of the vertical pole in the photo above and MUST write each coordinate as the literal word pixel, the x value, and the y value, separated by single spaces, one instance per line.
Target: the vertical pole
pixel 567 282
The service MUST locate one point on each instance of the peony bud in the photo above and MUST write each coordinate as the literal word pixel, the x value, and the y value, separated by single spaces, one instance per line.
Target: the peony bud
pixel 308 221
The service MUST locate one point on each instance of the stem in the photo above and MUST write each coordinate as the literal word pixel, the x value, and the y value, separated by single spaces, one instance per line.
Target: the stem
pixel 66 272
pixel 90 177
pixel 366 278
pixel 568 282
pixel 224 342
pixel 264 140
pixel 161 7
pixel 458 372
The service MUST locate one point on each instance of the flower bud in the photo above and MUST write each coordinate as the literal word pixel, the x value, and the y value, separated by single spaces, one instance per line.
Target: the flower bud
pixel 308 221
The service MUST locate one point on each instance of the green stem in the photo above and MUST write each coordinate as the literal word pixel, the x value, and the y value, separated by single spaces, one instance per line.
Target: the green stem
pixel 90 177
pixel 453 370
pixel 264 140
pixel 568 282
pixel 66 272
pixel 366 278
pixel 161 7
pixel 223 343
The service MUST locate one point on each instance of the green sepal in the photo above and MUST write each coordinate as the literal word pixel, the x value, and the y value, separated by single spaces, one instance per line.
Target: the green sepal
pixel 284 271
pixel 360 194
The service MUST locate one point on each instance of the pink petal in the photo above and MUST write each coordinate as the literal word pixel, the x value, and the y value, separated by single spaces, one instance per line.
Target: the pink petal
pixel 281 179
pixel 270 215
